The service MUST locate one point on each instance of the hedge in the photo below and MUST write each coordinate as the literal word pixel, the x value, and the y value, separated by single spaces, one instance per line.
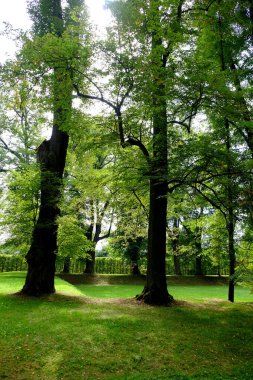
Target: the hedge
pixel 105 265
pixel 10 263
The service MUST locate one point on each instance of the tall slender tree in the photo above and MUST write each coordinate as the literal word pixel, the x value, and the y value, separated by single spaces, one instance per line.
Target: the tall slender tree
pixel 148 34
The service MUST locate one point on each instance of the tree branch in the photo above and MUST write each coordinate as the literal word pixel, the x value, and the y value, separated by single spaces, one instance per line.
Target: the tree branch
pixel 8 149
pixel 211 201
pixel 136 142
pixel 93 97
pixel 139 200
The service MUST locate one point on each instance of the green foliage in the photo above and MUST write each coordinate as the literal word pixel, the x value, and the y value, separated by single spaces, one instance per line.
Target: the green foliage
pixel 104 265
pixel 21 119
pixel 108 265
pixel 122 338
pixel 72 240
pixel 47 14
pixel 11 263
pixel 20 207
pixel 207 80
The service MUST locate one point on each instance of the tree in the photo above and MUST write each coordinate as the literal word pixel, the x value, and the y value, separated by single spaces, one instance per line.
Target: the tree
pixel 224 56
pixel 89 191
pixel 59 44
pixel 20 207
pixel 140 50
pixel 20 129
pixel 20 119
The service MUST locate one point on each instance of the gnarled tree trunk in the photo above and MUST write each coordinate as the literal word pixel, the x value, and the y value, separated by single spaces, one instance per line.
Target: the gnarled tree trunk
pixel 51 155
pixel 41 256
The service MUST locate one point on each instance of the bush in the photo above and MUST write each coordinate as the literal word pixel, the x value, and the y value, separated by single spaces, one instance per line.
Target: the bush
pixel 112 265
pixel 106 265
pixel 109 265
pixel 12 263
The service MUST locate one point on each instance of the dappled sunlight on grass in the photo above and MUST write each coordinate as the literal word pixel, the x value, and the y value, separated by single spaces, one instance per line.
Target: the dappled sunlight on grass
pixel 12 282
pixel 66 288
pixel 72 337
pixel 179 292
pixel 110 291
pixel 206 292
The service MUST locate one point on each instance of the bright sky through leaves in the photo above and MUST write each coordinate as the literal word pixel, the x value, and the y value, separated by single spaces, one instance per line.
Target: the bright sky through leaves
pixel 14 12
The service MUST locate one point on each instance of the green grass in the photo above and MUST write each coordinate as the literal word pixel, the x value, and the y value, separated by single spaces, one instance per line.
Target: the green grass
pixel 179 292
pixel 67 336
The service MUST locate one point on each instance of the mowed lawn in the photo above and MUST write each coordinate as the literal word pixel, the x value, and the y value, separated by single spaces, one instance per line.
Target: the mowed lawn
pixel 71 336
pixel 200 293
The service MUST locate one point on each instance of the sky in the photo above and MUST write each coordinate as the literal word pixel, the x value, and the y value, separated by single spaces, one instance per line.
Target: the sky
pixel 14 12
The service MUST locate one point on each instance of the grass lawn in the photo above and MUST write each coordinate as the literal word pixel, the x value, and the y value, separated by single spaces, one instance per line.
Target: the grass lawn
pixel 199 293
pixel 69 336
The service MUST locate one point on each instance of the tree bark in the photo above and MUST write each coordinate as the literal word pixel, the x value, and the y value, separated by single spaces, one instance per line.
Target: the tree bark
pixel 41 256
pixel 51 155
pixel 155 290
pixel 66 265
pixel 133 253
pixel 90 263
pixel 232 261
pixel 198 246
pixel 230 221
pixel 198 266
pixel 135 271
pixel 175 247
pixel 229 191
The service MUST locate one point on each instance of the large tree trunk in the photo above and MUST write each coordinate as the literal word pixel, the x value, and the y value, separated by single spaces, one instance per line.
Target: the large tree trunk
pixel 155 290
pixel 42 253
pixel 198 266
pixel 51 156
pixel 177 266
pixel 66 265
pixel 90 263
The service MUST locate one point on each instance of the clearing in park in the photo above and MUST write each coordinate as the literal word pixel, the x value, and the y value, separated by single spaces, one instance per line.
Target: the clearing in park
pixel 98 331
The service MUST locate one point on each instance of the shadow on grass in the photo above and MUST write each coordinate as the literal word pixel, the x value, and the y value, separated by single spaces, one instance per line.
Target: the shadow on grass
pixel 90 340
pixel 102 279
pixel 65 336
